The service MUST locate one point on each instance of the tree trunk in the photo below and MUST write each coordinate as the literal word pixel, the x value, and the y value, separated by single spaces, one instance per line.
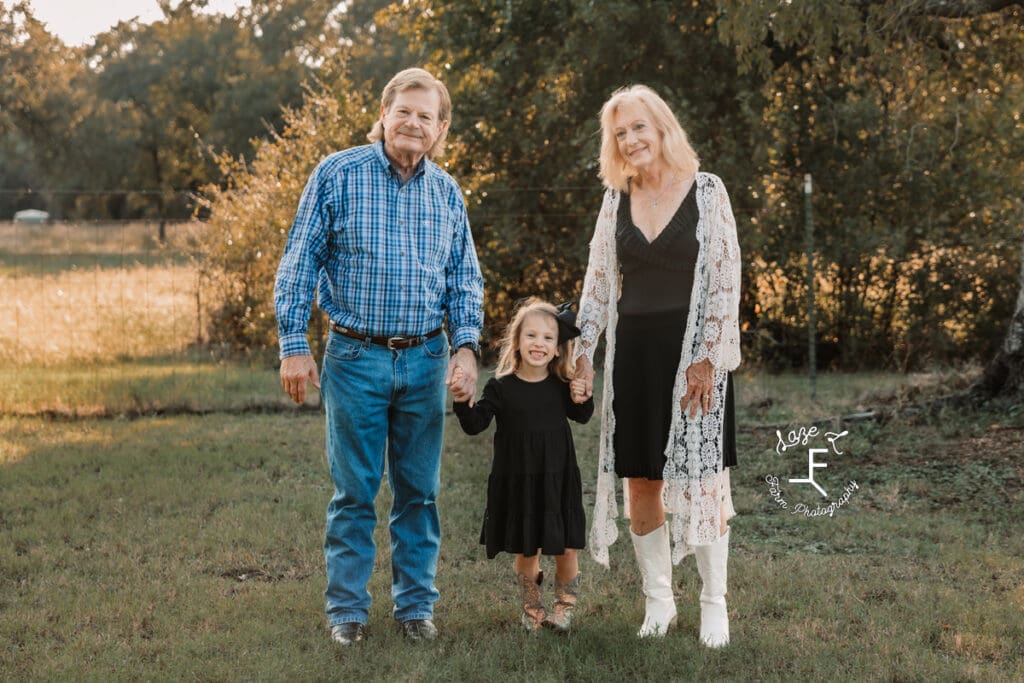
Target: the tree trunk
pixel 1004 376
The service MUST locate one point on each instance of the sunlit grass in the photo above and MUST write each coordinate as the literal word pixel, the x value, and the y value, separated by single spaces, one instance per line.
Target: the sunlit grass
pixel 85 292
pixel 191 383
pixel 98 313
pixel 187 548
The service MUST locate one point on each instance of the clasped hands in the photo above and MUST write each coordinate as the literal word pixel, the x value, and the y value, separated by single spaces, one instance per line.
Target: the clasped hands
pixel 461 376
pixel 700 382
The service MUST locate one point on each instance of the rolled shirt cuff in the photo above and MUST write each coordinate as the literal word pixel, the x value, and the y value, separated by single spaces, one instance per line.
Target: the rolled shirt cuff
pixel 465 335
pixel 294 345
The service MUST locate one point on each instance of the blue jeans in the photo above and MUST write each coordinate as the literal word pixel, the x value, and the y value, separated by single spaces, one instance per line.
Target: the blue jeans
pixel 378 400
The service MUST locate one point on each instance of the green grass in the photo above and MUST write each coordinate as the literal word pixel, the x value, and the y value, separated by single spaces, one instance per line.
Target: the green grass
pixel 181 383
pixel 170 548
pixel 184 547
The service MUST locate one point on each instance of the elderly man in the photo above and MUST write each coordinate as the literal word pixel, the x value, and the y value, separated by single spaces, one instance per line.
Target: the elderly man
pixel 381 234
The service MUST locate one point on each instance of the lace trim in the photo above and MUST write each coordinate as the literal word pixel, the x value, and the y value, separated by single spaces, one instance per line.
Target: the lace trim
pixel 696 491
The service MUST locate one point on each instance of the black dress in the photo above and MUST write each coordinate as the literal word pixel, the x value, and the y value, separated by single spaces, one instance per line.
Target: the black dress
pixel 657 278
pixel 534 492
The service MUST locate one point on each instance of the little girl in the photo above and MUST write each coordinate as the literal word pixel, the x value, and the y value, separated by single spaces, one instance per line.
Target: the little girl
pixel 534 495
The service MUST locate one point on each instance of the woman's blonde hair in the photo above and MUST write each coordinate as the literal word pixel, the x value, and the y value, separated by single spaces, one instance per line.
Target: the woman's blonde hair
pixel 410 79
pixel 509 358
pixel 675 145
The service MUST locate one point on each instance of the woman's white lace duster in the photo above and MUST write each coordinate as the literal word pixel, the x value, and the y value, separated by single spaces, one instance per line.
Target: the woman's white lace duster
pixel 695 482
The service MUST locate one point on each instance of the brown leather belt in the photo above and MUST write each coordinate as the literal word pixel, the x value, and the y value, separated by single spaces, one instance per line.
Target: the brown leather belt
pixel 394 343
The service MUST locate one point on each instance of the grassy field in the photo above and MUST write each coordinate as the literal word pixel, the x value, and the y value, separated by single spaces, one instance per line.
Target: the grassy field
pixel 77 292
pixel 188 547
pixel 161 515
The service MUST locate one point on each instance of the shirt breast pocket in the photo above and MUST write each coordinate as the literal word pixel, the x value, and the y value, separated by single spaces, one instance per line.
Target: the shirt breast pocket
pixel 434 239
pixel 353 237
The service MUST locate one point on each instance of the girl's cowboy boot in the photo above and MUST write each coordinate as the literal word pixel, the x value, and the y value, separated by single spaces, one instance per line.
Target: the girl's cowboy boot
pixel 533 609
pixel 654 556
pixel 560 618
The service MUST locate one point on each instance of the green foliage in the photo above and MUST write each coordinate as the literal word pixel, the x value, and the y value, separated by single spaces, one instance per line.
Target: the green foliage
pixel 910 126
pixel 194 81
pixel 40 90
pixel 907 114
pixel 526 120
pixel 250 218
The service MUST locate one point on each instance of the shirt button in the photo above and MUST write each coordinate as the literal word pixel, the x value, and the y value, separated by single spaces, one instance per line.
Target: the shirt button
pixel 401 253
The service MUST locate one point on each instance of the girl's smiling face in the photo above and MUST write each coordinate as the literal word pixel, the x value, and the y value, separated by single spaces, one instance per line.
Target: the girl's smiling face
pixel 538 340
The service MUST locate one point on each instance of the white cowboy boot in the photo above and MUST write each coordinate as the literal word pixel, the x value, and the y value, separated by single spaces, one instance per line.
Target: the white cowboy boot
pixel 654 556
pixel 712 562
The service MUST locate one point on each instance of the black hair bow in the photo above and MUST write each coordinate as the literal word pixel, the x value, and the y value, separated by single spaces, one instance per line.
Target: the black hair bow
pixel 566 322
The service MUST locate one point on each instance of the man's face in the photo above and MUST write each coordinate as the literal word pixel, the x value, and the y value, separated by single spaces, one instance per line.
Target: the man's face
pixel 413 124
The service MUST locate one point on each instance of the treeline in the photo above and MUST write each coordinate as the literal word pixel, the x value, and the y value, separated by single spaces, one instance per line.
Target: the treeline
pixel 907 114
pixel 131 125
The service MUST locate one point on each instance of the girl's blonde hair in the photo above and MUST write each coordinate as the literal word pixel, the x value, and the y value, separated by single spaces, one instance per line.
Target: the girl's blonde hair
pixel 675 145
pixel 509 359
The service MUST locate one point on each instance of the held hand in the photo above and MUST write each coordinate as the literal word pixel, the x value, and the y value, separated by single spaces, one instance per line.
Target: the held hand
pixel 578 391
pixel 295 372
pixel 700 382
pixel 461 376
pixel 584 375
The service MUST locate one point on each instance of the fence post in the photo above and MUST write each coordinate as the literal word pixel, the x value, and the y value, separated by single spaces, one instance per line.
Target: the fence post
pixel 809 246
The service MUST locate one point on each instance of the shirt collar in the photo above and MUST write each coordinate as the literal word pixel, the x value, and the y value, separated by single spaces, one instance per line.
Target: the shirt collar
pixel 421 169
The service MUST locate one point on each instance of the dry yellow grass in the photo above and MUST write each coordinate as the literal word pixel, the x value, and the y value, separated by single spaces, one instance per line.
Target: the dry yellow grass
pixel 97 313
pixel 94 292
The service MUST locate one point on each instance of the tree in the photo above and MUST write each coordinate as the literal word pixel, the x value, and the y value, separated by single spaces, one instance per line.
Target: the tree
pixel 908 121
pixel 250 218
pixel 40 102
pixel 528 80
pixel 1004 375
pixel 907 114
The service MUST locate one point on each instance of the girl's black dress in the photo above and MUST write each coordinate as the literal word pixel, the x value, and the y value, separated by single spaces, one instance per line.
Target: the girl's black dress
pixel 534 492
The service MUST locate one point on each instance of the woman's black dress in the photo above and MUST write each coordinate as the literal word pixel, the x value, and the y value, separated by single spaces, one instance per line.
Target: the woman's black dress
pixel 657 278
pixel 534 492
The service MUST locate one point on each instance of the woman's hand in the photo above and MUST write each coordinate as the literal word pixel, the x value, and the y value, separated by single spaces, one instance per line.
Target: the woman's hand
pixel 578 391
pixel 700 382
pixel 582 386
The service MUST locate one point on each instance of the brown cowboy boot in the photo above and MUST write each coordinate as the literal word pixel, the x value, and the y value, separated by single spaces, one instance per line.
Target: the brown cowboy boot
pixel 533 614
pixel 566 594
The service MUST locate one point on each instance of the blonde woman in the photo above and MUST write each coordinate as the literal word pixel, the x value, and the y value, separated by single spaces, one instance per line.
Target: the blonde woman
pixel 663 283
pixel 534 492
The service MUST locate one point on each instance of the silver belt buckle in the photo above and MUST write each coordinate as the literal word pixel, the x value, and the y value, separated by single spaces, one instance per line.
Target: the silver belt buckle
pixel 392 340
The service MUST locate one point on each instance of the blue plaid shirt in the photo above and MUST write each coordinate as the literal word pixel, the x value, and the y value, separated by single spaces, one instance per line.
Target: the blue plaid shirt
pixel 386 258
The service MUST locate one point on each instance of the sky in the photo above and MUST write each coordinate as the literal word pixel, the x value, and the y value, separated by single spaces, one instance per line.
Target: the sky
pixel 77 21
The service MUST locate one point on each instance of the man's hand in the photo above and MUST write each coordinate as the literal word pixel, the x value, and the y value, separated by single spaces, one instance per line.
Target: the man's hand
pixel 582 386
pixel 295 372
pixel 461 376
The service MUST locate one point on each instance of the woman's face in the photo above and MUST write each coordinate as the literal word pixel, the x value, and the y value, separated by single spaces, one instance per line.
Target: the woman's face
pixel 639 142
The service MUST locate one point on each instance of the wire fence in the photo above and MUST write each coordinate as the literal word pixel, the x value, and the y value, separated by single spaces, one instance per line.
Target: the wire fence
pixel 114 314
pixel 104 317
